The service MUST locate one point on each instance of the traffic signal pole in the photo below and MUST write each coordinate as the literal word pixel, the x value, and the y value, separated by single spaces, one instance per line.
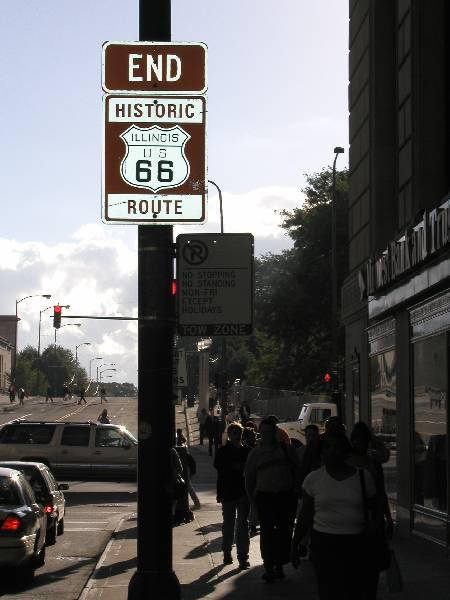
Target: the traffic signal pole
pixel 154 577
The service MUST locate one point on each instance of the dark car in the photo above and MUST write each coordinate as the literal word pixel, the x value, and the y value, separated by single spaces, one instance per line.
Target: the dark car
pixel 48 493
pixel 23 525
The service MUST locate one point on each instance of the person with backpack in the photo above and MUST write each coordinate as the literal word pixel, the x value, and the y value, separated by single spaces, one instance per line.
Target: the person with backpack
pixel 103 417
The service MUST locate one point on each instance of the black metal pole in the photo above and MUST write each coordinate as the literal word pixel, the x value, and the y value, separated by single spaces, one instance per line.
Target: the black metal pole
pixel 335 388
pixel 154 577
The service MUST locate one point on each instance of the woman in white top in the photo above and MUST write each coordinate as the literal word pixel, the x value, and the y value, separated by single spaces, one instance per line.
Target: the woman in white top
pixel 333 507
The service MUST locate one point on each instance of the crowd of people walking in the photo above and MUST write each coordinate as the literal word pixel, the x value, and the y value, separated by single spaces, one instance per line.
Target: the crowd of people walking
pixel 324 500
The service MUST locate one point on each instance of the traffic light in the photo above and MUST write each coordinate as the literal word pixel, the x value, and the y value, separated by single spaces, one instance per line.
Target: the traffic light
pixel 57 310
pixel 327 377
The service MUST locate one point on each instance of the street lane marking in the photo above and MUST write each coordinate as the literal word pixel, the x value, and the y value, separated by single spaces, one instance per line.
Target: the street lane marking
pixel 75 412
pixel 12 420
pixel 72 529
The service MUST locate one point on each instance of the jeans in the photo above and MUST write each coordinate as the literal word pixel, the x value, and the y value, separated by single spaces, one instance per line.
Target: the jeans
pixel 276 512
pixel 235 512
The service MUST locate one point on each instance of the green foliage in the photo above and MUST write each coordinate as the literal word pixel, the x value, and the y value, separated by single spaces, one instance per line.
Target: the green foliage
pixel 292 343
pixel 27 371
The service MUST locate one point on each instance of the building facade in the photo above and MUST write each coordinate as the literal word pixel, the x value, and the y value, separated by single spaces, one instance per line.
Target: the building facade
pixel 5 363
pixel 396 298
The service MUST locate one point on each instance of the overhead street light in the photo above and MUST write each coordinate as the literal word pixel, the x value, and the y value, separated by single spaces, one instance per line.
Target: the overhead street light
pixel 76 355
pixel 90 364
pixel 47 296
pixel 104 365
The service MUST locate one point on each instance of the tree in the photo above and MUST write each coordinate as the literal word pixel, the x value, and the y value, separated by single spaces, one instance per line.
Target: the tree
pixel 58 365
pixel 293 290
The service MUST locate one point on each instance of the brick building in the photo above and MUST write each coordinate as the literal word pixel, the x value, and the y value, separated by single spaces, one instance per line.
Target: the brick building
pixel 396 298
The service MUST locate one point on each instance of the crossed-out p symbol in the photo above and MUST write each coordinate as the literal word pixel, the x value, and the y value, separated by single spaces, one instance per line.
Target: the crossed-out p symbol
pixel 195 252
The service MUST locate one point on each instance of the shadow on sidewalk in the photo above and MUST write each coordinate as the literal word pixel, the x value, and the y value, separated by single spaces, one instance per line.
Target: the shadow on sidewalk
pixel 116 568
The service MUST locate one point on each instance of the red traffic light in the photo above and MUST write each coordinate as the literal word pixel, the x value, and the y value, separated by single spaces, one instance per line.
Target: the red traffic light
pixel 327 378
pixel 57 310
pixel 174 287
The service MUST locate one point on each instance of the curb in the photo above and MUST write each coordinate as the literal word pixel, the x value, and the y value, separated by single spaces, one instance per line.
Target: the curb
pixel 90 582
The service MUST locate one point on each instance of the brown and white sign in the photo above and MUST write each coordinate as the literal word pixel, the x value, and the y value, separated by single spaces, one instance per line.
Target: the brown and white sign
pixel 154 67
pixel 154 164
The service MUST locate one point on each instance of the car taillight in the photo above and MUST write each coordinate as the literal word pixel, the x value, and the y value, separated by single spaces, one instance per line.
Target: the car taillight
pixel 11 523
pixel 48 508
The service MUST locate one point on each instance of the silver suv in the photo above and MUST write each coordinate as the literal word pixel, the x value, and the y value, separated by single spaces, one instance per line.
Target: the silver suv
pixel 72 449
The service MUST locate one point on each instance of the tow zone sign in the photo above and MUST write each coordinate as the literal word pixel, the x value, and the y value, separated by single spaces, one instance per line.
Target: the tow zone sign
pixel 154 163
pixel 215 284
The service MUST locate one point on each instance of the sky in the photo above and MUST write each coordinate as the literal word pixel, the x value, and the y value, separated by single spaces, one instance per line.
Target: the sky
pixel 277 106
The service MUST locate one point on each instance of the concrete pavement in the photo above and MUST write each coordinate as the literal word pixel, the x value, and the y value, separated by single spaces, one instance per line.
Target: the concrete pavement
pixel 198 560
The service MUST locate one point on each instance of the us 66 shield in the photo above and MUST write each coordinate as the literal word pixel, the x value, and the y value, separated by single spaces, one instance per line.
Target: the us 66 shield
pixel 154 167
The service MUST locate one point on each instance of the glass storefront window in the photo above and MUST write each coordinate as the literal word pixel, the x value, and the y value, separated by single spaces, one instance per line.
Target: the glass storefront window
pixel 430 422
pixel 383 395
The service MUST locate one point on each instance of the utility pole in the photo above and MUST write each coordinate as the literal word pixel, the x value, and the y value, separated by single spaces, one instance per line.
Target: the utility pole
pixel 335 383
pixel 154 577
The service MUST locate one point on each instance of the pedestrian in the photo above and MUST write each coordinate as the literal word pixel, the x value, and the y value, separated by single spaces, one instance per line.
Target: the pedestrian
pixel 49 395
pixel 271 478
pixel 360 439
pixel 218 429
pixel 65 392
pixel 209 430
pixel 178 483
pixel 202 416
pixel 244 412
pixel 180 440
pixel 103 417
pixel 12 392
pixel 282 434
pixel 21 395
pixel 103 396
pixel 230 462
pixel 82 398
pixel 310 455
pixel 333 508
pixel 183 513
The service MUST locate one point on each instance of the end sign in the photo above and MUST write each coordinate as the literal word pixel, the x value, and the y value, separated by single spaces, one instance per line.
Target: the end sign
pixel 215 284
pixel 154 150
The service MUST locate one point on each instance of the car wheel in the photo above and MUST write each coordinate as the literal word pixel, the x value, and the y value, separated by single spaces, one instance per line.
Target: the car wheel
pixel 50 538
pixel 60 527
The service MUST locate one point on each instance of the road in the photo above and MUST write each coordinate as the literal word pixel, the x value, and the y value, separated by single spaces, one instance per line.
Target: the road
pixel 94 509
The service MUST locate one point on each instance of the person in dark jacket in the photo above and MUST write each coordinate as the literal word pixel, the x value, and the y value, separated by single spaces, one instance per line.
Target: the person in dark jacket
pixel 230 463
pixel 209 431
pixel 218 429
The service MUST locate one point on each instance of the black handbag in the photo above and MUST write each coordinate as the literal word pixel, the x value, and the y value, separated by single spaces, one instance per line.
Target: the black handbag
pixel 376 540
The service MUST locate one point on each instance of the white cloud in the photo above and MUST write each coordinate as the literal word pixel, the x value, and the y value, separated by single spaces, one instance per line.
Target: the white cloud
pixel 95 271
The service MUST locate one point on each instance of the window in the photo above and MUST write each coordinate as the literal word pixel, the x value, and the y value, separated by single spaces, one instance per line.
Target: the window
pixel 106 437
pixel 320 415
pixel 76 435
pixel 51 481
pixel 383 395
pixel 34 477
pixel 9 495
pixel 430 422
pixel 27 434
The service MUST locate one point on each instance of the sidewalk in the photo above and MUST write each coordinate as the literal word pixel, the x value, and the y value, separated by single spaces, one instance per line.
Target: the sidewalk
pixel 198 560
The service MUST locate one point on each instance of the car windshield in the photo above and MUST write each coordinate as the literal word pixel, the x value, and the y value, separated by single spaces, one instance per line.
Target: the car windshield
pixel 9 495
pixel 128 434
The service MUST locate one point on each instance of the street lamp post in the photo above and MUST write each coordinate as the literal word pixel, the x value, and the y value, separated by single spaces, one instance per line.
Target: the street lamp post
pixel 104 371
pixel 104 365
pixel 38 383
pixel 90 365
pixel 223 375
pixel 76 356
pixel 47 296
pixel 335 391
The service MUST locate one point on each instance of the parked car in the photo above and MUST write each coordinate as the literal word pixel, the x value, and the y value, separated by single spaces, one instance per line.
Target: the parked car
pixel 72 449
pixel 48 493
pixel 23 525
